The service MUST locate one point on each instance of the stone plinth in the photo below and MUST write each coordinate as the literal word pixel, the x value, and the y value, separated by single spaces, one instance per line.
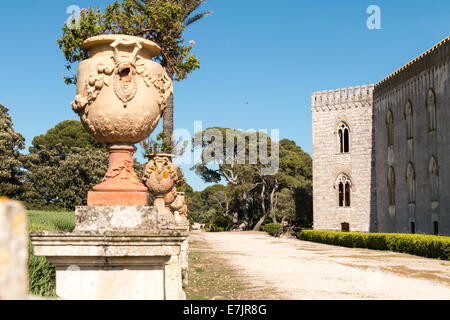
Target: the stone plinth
pixel 184 254
pixel 116 253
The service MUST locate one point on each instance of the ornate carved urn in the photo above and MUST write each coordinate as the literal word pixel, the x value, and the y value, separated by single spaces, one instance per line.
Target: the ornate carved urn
pixel 121 94
pixel 160 177
pixel 179 206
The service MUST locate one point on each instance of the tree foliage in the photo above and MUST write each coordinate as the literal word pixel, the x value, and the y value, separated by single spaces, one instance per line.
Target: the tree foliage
pixel 11 142
pixel 69 133
pixel 251 195
pixel 61 176
pixel 62 166
pixel 158 20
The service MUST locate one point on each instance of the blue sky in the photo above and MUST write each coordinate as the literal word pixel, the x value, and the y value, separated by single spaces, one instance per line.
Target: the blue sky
pixel 260 60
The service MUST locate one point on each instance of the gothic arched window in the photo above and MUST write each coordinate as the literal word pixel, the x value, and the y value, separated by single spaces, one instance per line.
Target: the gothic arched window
pixel 390 128
pixel 433 174
pixel 411 179
pixel 344 138
pixel 409 120
pixel 431 110
pixel 343 186
pixel 391 186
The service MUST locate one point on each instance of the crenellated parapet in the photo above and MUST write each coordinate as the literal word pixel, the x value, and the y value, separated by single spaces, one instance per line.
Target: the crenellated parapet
pixel 338 99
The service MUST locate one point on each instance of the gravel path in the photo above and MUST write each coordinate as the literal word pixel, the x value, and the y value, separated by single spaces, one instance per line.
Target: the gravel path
pixel 301 270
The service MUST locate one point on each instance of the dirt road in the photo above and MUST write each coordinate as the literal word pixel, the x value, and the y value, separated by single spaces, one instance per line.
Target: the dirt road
pixel 302 270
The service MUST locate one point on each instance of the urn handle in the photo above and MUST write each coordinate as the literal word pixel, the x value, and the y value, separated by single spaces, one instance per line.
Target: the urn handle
pixel 118 58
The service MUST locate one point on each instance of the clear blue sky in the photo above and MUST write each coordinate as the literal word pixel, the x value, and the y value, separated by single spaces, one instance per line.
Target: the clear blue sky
pixel 269 54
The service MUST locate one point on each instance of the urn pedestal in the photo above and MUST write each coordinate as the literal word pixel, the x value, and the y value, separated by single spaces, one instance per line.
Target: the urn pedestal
pixel 121 186
pixel 116 253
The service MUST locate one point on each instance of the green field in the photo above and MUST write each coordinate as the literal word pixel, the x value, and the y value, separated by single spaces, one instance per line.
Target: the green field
pixel 42 276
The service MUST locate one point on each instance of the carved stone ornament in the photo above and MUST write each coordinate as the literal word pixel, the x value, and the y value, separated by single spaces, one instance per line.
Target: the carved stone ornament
pixel 121 91
pixel 344 179
pixel 160 174
pixel 179 202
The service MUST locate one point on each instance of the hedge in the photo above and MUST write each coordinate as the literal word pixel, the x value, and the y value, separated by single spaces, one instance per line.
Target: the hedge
pixel 428 246
pixel 274 229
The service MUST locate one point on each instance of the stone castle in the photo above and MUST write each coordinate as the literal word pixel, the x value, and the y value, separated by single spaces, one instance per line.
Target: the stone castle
pixel 381 153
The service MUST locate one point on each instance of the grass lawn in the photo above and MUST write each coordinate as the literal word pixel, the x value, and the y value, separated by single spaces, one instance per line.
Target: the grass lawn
pixel 54 220
pixel 42 274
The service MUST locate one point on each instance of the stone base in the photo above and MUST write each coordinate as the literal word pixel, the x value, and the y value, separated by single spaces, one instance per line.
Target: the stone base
pixel 116 253
pixel 114 265
pixel 117 198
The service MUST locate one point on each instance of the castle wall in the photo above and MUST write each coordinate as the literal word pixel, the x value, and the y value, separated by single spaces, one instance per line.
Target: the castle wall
pixel 412 83
pixel 352 106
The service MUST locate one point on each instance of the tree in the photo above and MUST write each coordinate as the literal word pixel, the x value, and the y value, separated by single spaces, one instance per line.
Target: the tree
pixel 11 142
pixel 69 133
pixel 232 155
pixel 254 194
pixel 162 21
pixel 285 208
pixel 61 176
pixel 188 16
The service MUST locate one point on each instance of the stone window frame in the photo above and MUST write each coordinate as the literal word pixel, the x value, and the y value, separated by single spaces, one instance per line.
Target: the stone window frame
pixel 411 183
pixel 391 186
pixel 390 128
pixel 430 105
pixel 341 129
pixel 409 118
pixel 433 176
pixel 343 186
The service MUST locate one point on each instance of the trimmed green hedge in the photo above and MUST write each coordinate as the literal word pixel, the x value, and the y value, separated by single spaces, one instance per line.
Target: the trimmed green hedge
pixel 274 229
pixel 437 247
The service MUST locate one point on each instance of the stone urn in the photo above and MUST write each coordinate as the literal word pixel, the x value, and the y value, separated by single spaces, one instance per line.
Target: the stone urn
pixel 160 177
pixel 184 212
pixel 170 197
pixel 178 204
pixel 121 94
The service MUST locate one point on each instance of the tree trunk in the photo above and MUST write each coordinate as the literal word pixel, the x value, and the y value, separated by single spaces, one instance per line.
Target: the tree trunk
pixel 168 120
pixel 273 204
pixel 244 223
pixel 263 209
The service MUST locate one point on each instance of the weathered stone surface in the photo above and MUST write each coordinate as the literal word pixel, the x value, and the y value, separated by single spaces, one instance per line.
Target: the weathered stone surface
pixel 143 265
pixel 13 251
pixel 117 253
pixel 110 218
pixel 412 84
pixel 352 106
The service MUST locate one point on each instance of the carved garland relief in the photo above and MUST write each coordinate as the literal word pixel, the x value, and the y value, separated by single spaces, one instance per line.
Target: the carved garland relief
pixel 124 79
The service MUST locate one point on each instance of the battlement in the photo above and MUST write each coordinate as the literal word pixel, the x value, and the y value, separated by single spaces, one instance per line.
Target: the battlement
pixel 342 96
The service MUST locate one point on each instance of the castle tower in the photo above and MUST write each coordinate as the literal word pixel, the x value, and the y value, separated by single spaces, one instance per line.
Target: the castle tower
pixel 343 174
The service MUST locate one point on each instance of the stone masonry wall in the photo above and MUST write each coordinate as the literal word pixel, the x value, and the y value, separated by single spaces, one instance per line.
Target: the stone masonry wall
pixel 411 83
pixel 354 107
